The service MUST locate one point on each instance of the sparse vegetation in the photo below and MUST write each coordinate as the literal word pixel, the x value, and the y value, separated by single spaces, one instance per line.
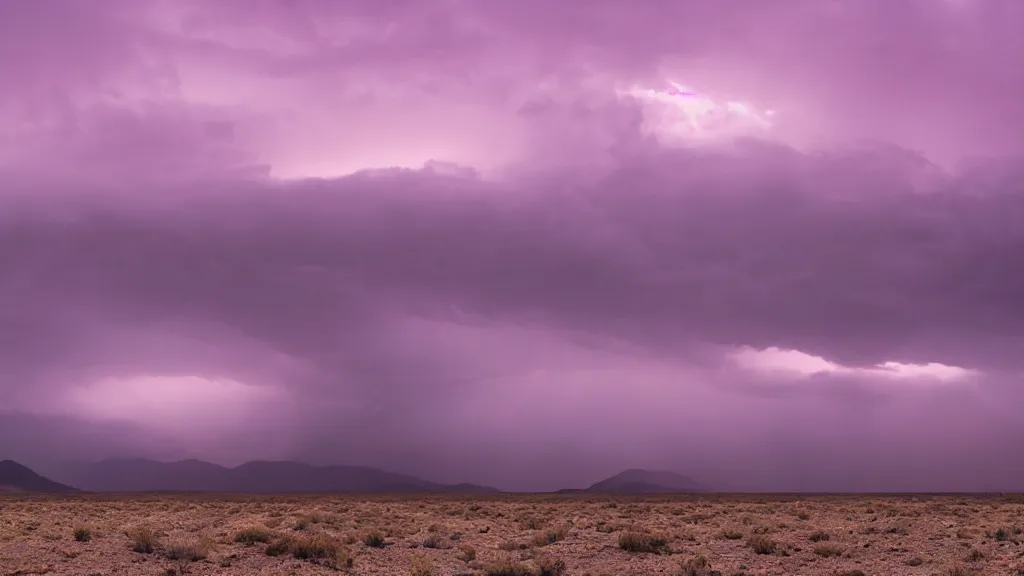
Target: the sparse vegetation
pixel 143 539
pixel 507 567
pixel 828 550
pixel 434 541
pixel 467 554
pixel 191 550
pixel 550 536
pixel 762 544
pixel 253 535
pixel 515 536
pixel 696 566
pixel 279 547
pixel 82 533
pixel 374 540
pixel 642 542
pixel 313 548
pixel 550 566
pixel 422 566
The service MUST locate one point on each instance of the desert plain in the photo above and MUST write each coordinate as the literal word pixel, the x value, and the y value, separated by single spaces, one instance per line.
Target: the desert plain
pixel 511 535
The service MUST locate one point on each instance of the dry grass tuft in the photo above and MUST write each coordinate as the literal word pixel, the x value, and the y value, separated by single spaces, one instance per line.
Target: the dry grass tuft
pixel 820 537
pixel 144 540
pixel 642 542
pixel 828 550
pixel 467 554
pixel 762 544
pixel 190 549
pixel 435 541
pixel 254 534
pixel 82 533
pixel 696 566
pixel 507 567
pixel 550 536
pixel 319 548
pixel 374 540
pixel 550 566
pixel 422 566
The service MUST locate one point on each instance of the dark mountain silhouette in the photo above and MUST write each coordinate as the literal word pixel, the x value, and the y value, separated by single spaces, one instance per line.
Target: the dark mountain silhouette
pixel 142 475
pixel 635 481
pixel 17 478
pixel 466 488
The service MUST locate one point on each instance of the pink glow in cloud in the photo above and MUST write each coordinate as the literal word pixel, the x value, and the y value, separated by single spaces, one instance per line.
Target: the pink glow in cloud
pixel 519 243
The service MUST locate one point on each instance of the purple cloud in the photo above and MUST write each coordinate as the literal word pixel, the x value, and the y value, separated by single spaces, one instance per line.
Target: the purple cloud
pixel 492 244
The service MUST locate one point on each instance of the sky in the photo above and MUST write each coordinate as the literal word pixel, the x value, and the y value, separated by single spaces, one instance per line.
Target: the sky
pixel 770 245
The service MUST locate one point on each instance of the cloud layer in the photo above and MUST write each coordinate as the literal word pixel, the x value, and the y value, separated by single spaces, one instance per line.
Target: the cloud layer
pixel 455 239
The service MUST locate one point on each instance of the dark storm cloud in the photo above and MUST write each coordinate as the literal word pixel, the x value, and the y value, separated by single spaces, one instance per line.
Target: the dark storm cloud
pixel 563 293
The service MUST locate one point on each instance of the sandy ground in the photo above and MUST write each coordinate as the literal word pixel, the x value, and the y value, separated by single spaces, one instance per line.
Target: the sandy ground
pixel 511 535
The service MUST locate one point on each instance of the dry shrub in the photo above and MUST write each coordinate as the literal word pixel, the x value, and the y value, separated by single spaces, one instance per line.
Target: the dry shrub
pixel 509 545
pixel 507 567
pixel 641 542
pixel 279 547
pixel 531 523
pixel 143 539
pixel 899 527
pixel 732 534
pixel 828 550
pixel 820 537
pixel 190 550
pixel 317 547
pixel 273 521
pixel 422 566
pixel 436 541
pixel 374 540
pixel 696 566
pixel 313 547
pixel 253 534
pixel 467 554
pixel 82 533
pixel 550 536
pixel 762 545
pixel 550 566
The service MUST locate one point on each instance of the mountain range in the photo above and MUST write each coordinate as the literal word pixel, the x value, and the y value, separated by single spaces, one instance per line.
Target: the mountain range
pixel 17 478
pixel 636 481
pixel 264 477
pixel 258 477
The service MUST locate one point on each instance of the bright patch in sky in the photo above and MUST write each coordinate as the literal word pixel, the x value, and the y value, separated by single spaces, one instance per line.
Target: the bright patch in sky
pixel 779 360
pixel 172 402
pixel 679 114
